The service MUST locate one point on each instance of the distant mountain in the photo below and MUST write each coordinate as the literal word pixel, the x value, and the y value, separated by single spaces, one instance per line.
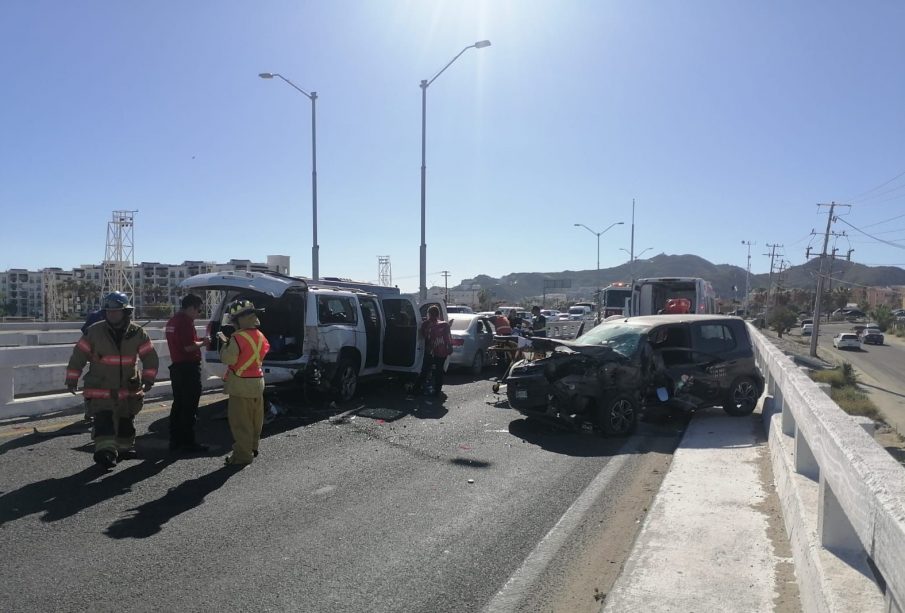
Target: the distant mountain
pixel 517 286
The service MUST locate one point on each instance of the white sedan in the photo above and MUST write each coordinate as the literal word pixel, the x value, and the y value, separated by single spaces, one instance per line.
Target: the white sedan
pixel 846 340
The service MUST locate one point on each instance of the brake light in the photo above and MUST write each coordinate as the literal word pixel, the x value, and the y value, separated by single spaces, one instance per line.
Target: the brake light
pixel 458 342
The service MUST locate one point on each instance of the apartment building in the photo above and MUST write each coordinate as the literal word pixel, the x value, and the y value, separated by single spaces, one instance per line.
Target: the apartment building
pixel 55 293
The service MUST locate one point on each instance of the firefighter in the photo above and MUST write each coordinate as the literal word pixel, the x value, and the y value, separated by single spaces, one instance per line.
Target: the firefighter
pixel 243 353
pixel 113 387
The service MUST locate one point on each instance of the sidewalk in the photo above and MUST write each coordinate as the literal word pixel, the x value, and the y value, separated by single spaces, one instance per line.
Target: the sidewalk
pixel 714 538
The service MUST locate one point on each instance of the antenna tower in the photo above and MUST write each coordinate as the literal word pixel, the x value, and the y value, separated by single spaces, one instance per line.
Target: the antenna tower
pixel 384 271
pixel 119 261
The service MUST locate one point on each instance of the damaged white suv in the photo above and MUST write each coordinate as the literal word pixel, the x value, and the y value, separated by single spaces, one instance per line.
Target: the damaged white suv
pixel 324 335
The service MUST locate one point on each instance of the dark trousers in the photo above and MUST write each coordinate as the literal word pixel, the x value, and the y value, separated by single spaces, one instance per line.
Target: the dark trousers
pixel 185 378
pixel 432 365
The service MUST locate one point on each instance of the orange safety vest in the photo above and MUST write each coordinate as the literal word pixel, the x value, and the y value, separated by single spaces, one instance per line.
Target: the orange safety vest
pixel 252 347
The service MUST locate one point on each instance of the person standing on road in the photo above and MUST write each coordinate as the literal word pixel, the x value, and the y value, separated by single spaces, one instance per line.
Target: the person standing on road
pixel 114 388
pixel 243 354
pixel 501 324
pixel 539 324
pixel 185 375
pixel 437 347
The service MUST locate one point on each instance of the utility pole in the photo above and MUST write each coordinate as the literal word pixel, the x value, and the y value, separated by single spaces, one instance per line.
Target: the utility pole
pixel 748 276
pixel 772 255
pixel 445 274
pixel 817 299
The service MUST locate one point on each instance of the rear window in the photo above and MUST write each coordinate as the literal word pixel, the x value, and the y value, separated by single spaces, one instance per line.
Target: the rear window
pixel 459 323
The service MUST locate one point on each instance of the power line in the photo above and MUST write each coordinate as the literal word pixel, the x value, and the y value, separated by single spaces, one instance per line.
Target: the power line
pixel 880 240
pixel 884 184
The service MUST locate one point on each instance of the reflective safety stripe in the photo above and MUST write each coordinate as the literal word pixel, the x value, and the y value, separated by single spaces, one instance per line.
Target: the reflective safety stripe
pixel 73 374
pixel 145 349
pixel 102 394
pixel 149 374
pixel 118 360
pixel 251 348
pixel 84 345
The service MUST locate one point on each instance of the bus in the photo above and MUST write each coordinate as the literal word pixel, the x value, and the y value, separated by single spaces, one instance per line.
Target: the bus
pixel 614 298
pixel 652 296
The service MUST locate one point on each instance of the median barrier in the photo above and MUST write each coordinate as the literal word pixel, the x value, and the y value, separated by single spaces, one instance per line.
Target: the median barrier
pixel 842 494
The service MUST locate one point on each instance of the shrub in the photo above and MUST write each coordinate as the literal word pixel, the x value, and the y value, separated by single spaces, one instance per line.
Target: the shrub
pixel 834 377
pixel 854 402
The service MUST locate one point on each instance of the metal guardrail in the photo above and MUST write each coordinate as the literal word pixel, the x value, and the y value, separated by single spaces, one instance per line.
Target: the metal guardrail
pixel 837 485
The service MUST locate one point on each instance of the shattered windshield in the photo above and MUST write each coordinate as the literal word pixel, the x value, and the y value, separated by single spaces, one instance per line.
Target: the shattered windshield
pixel 623 338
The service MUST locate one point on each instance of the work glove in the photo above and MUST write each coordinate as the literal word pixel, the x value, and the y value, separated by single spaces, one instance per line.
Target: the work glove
pixel 147 385
pixel 71 386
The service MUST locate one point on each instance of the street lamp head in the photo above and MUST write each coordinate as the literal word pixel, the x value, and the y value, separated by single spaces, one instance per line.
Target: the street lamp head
pixel 265 75
pixel 481 44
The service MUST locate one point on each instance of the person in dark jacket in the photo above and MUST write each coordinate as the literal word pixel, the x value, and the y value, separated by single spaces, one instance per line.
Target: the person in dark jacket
pixel 114 387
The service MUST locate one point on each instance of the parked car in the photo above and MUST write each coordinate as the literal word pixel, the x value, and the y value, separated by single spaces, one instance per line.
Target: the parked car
pixel 472 337
pixel 458 308
pixel 807 329
pixel 550 314
pixel 871 335
pixel 853 314
pixel 617 369
pixel 324 335
pixel 846 340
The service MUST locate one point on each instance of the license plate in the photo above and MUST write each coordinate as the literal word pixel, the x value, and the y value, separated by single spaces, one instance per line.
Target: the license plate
pixel 521 394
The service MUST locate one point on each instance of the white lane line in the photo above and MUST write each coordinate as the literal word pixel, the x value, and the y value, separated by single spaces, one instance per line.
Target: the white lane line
pixel 510 597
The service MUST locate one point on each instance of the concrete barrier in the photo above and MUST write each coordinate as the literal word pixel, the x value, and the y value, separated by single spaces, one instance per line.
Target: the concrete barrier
pixel 32 375
pixel 842 495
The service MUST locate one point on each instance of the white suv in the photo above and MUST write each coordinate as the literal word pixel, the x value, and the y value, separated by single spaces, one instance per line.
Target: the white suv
pixel 323 334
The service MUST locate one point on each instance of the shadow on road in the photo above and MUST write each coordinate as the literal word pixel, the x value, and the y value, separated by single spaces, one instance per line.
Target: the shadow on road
pixel 64 497
pixel 881 389
pixel 35 436
pixel 149 518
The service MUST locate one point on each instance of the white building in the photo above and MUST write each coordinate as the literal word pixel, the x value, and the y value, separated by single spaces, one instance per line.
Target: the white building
pixel 25 293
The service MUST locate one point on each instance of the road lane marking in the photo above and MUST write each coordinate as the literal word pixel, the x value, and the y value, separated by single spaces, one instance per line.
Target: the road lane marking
pixel 513 592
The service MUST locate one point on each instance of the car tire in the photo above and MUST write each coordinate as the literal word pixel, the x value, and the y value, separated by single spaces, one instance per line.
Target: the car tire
pixel 345 382
pixel 742 397
pixel 617 415
pixel 477 364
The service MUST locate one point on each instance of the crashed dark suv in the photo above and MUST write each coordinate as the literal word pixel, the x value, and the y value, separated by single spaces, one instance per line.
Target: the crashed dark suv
pixel 615 371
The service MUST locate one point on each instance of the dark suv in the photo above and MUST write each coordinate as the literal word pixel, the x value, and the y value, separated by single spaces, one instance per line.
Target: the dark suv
pixel 619 368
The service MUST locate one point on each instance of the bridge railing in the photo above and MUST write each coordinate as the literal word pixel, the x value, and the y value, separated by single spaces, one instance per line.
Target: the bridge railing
pixel 32 374
pixel 843 495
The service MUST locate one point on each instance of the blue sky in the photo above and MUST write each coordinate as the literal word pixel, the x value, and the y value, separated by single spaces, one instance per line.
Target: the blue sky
pixel 725 120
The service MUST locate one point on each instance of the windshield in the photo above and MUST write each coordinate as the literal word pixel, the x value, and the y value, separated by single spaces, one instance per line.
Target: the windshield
pixel 576 310
pixel 622 337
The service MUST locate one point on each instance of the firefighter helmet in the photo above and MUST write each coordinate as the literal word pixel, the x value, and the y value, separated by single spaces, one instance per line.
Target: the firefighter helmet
pixel 116 301
pixel 240 308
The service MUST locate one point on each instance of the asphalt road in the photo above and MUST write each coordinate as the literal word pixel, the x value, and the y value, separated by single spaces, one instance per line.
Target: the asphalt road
pixel 880 369
pixel 453 506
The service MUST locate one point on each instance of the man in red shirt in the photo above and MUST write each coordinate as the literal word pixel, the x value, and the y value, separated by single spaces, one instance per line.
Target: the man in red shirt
pixel 185 375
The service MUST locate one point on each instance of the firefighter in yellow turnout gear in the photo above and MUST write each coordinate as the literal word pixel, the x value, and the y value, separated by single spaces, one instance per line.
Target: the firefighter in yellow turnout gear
pixel 243 354
pixel 114 387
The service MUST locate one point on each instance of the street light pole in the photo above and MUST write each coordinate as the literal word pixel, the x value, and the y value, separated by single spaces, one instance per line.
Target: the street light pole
pixel 597 234
pixel 422 277
pixel 315 248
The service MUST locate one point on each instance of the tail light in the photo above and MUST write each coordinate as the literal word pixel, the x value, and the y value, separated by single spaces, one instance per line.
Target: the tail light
pixel 458 342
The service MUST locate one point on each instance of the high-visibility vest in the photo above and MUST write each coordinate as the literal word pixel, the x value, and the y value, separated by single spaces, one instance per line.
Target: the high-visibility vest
pixel 252 348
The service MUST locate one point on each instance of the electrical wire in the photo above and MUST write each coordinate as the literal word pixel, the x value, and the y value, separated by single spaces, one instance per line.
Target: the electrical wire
pixel 884 184
pixel 879 240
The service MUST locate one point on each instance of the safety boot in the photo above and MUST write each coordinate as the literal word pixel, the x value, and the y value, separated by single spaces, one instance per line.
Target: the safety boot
pixel 105 458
